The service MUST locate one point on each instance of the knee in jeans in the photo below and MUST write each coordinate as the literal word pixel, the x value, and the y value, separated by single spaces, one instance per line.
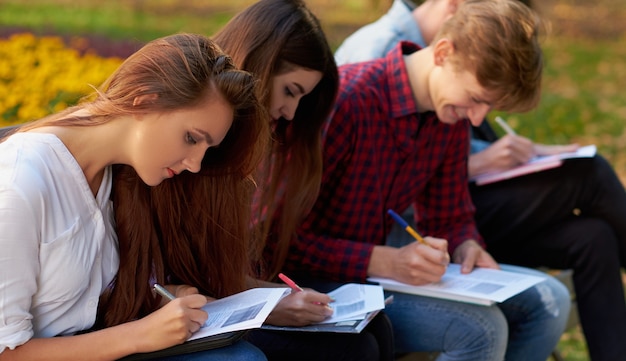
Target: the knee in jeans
pixel 486 330
pixel 555 297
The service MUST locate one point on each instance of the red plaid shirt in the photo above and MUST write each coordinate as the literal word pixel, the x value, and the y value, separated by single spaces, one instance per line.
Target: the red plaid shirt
pixel 379 153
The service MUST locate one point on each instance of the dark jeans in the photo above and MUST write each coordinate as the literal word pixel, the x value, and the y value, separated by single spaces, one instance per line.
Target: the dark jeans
pixel 572 217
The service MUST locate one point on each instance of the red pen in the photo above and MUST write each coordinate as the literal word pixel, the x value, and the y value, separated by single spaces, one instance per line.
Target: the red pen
pixel 294 287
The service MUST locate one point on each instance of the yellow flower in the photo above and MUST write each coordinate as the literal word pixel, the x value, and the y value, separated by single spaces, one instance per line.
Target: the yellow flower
pixel 41 75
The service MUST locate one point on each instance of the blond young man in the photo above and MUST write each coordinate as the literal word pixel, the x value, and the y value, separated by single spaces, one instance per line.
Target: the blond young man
pixel 570 217
pixel 399 136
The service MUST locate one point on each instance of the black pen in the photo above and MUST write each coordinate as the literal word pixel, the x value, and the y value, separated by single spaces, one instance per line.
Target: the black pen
pixel 163 292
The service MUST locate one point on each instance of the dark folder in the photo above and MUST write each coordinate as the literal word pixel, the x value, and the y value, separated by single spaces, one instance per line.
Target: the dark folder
pixel 199 344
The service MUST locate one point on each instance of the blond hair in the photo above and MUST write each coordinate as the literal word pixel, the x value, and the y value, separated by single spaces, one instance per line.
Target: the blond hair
pixel 498 41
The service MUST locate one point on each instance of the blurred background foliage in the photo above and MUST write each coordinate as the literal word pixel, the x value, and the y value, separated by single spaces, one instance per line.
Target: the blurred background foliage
pixel 583 84
pixel 39 75
pixel 67 46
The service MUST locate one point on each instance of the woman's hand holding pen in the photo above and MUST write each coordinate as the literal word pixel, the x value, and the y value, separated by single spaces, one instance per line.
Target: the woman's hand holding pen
pixel 301 308
pixel 172 324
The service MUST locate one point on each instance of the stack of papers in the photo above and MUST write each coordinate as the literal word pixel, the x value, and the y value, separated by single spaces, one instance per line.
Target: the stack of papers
pixel 354 307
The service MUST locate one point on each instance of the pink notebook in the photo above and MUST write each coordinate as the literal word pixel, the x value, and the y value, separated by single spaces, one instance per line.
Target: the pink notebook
pixel 516 172
pixel 536 165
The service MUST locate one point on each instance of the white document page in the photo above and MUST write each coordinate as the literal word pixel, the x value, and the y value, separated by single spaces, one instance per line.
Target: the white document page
pixel 482 285
pixel 241 311
pixel 354 301
pixel 587 151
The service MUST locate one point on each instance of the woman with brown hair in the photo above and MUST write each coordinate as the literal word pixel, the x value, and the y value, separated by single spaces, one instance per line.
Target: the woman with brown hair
pixel 282 43
pixel 178 104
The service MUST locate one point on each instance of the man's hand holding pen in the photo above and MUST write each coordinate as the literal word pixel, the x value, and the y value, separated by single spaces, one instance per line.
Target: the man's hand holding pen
pixel 420 262
pixel 416 263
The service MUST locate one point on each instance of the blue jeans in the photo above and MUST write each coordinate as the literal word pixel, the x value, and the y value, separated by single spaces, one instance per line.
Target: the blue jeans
pixel 525 327
pixel 241 350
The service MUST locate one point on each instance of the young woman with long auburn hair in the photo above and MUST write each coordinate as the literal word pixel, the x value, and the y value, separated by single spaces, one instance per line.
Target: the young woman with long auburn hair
pixel 177 106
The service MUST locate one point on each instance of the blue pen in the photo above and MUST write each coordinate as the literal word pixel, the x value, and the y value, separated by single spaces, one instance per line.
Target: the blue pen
pixel 406 226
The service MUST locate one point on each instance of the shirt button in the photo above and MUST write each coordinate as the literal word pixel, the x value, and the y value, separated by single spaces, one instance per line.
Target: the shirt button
pixel 92 303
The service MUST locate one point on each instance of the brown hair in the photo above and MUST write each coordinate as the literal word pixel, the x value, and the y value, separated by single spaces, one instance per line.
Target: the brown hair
pixel 498 39
pixel 269 38
pixel 160 236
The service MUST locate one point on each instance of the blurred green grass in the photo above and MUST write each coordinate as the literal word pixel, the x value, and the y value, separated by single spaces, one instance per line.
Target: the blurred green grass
pixel 137 20
pixel 585 51
pixel 583 92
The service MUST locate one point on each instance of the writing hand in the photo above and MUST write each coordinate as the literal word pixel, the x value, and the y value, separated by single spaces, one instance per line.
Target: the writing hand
pixel 504 154
pixel 301 309
pixel 172 324
pixel 414 263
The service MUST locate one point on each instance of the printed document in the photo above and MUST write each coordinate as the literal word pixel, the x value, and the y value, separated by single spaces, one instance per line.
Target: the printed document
pixel 229 318
pixel 241 311
pixel 354 307
pixel 482 286
pixel 353 301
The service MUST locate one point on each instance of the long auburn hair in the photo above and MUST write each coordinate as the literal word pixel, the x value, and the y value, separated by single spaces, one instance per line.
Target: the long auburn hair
pixel 269 38
pixel 159 227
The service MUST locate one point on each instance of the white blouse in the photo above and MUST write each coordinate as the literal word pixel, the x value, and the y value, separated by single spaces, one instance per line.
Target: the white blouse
pixel 58 248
